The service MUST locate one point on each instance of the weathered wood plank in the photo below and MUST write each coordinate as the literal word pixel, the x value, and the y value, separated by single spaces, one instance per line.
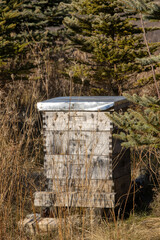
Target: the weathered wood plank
pixel 72 185
pixel 46 199
pixel 79 143
pixel 83 121
pixel 73 167
pixel 76 199
pixel 84 165
pixel 77 159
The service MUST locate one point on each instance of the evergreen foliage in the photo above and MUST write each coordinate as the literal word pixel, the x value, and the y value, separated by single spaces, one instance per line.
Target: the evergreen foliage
pixel 153 12
pixel 149 9
pixel 55 12
pixel 9 41
pixel 109 42
pixel 25 25
pixel 38 16
pixel 141 127
pixel 137 6
pixel 150 60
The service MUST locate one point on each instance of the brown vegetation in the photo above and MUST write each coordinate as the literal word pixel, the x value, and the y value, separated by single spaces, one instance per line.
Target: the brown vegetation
pixel 21 163
pixel 21 174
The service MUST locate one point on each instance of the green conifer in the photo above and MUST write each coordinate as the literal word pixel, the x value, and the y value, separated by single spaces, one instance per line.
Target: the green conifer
pixel 11 46
pixel 9 43
pixel 38 16
pixel 141 127
pixel 150 10
pixel 24 25
pixel 102 32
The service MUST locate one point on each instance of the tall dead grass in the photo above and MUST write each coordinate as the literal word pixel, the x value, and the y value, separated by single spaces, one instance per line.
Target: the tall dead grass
pixel 20 153
pixel 21 161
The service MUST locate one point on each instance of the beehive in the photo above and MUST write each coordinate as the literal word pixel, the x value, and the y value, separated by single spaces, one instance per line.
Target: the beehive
pixel 85 166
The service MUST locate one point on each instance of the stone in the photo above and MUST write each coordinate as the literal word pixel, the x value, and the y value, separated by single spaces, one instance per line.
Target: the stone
pixel 35 224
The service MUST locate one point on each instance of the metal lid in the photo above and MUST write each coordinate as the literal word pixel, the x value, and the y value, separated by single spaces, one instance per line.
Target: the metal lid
pixel 96 103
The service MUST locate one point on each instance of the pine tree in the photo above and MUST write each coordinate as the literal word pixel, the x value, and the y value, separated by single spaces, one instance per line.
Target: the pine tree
pixel 150 10
pixel 153 11
pixel 141 128
pixel 110 42
pixel 9 44
pixel 54 12
pixel 38 16
pixel 24 25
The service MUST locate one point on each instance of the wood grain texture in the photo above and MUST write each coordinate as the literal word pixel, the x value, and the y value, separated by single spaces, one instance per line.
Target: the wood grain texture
pixel 46 199
pixel 76 199
pixel 82 167
pixel 79 143
pixel 72 185
pixel 77 159
pixel 85 166
pixel 82 121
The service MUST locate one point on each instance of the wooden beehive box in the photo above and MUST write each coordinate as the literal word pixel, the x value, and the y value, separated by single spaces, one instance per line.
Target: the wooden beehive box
pixel 84 165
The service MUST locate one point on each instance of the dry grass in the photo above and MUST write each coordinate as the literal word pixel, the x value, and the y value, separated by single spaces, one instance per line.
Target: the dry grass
pixel 79 227
pixel 133 229
pixel 21 162
pixel 21 157
pixel 21 143
pixel 20 153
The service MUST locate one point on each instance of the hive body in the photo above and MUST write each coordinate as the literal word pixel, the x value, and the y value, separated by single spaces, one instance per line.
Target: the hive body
pixel 84 165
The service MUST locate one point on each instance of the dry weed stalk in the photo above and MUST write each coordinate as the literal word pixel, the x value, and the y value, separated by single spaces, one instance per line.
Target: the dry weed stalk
pixel 19 154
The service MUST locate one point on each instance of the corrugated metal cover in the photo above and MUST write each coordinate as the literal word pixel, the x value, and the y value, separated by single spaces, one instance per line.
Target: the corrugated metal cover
pixel 97 103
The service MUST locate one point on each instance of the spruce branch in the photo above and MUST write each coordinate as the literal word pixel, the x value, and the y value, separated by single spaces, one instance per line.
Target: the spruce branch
pixel 153 13
pixel 141 128
pixel 106 35
pixel 149 60
pixel 149 53
pixel 140 7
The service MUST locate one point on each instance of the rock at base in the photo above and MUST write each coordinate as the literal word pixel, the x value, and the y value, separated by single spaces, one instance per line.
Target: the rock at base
pixel 35 224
